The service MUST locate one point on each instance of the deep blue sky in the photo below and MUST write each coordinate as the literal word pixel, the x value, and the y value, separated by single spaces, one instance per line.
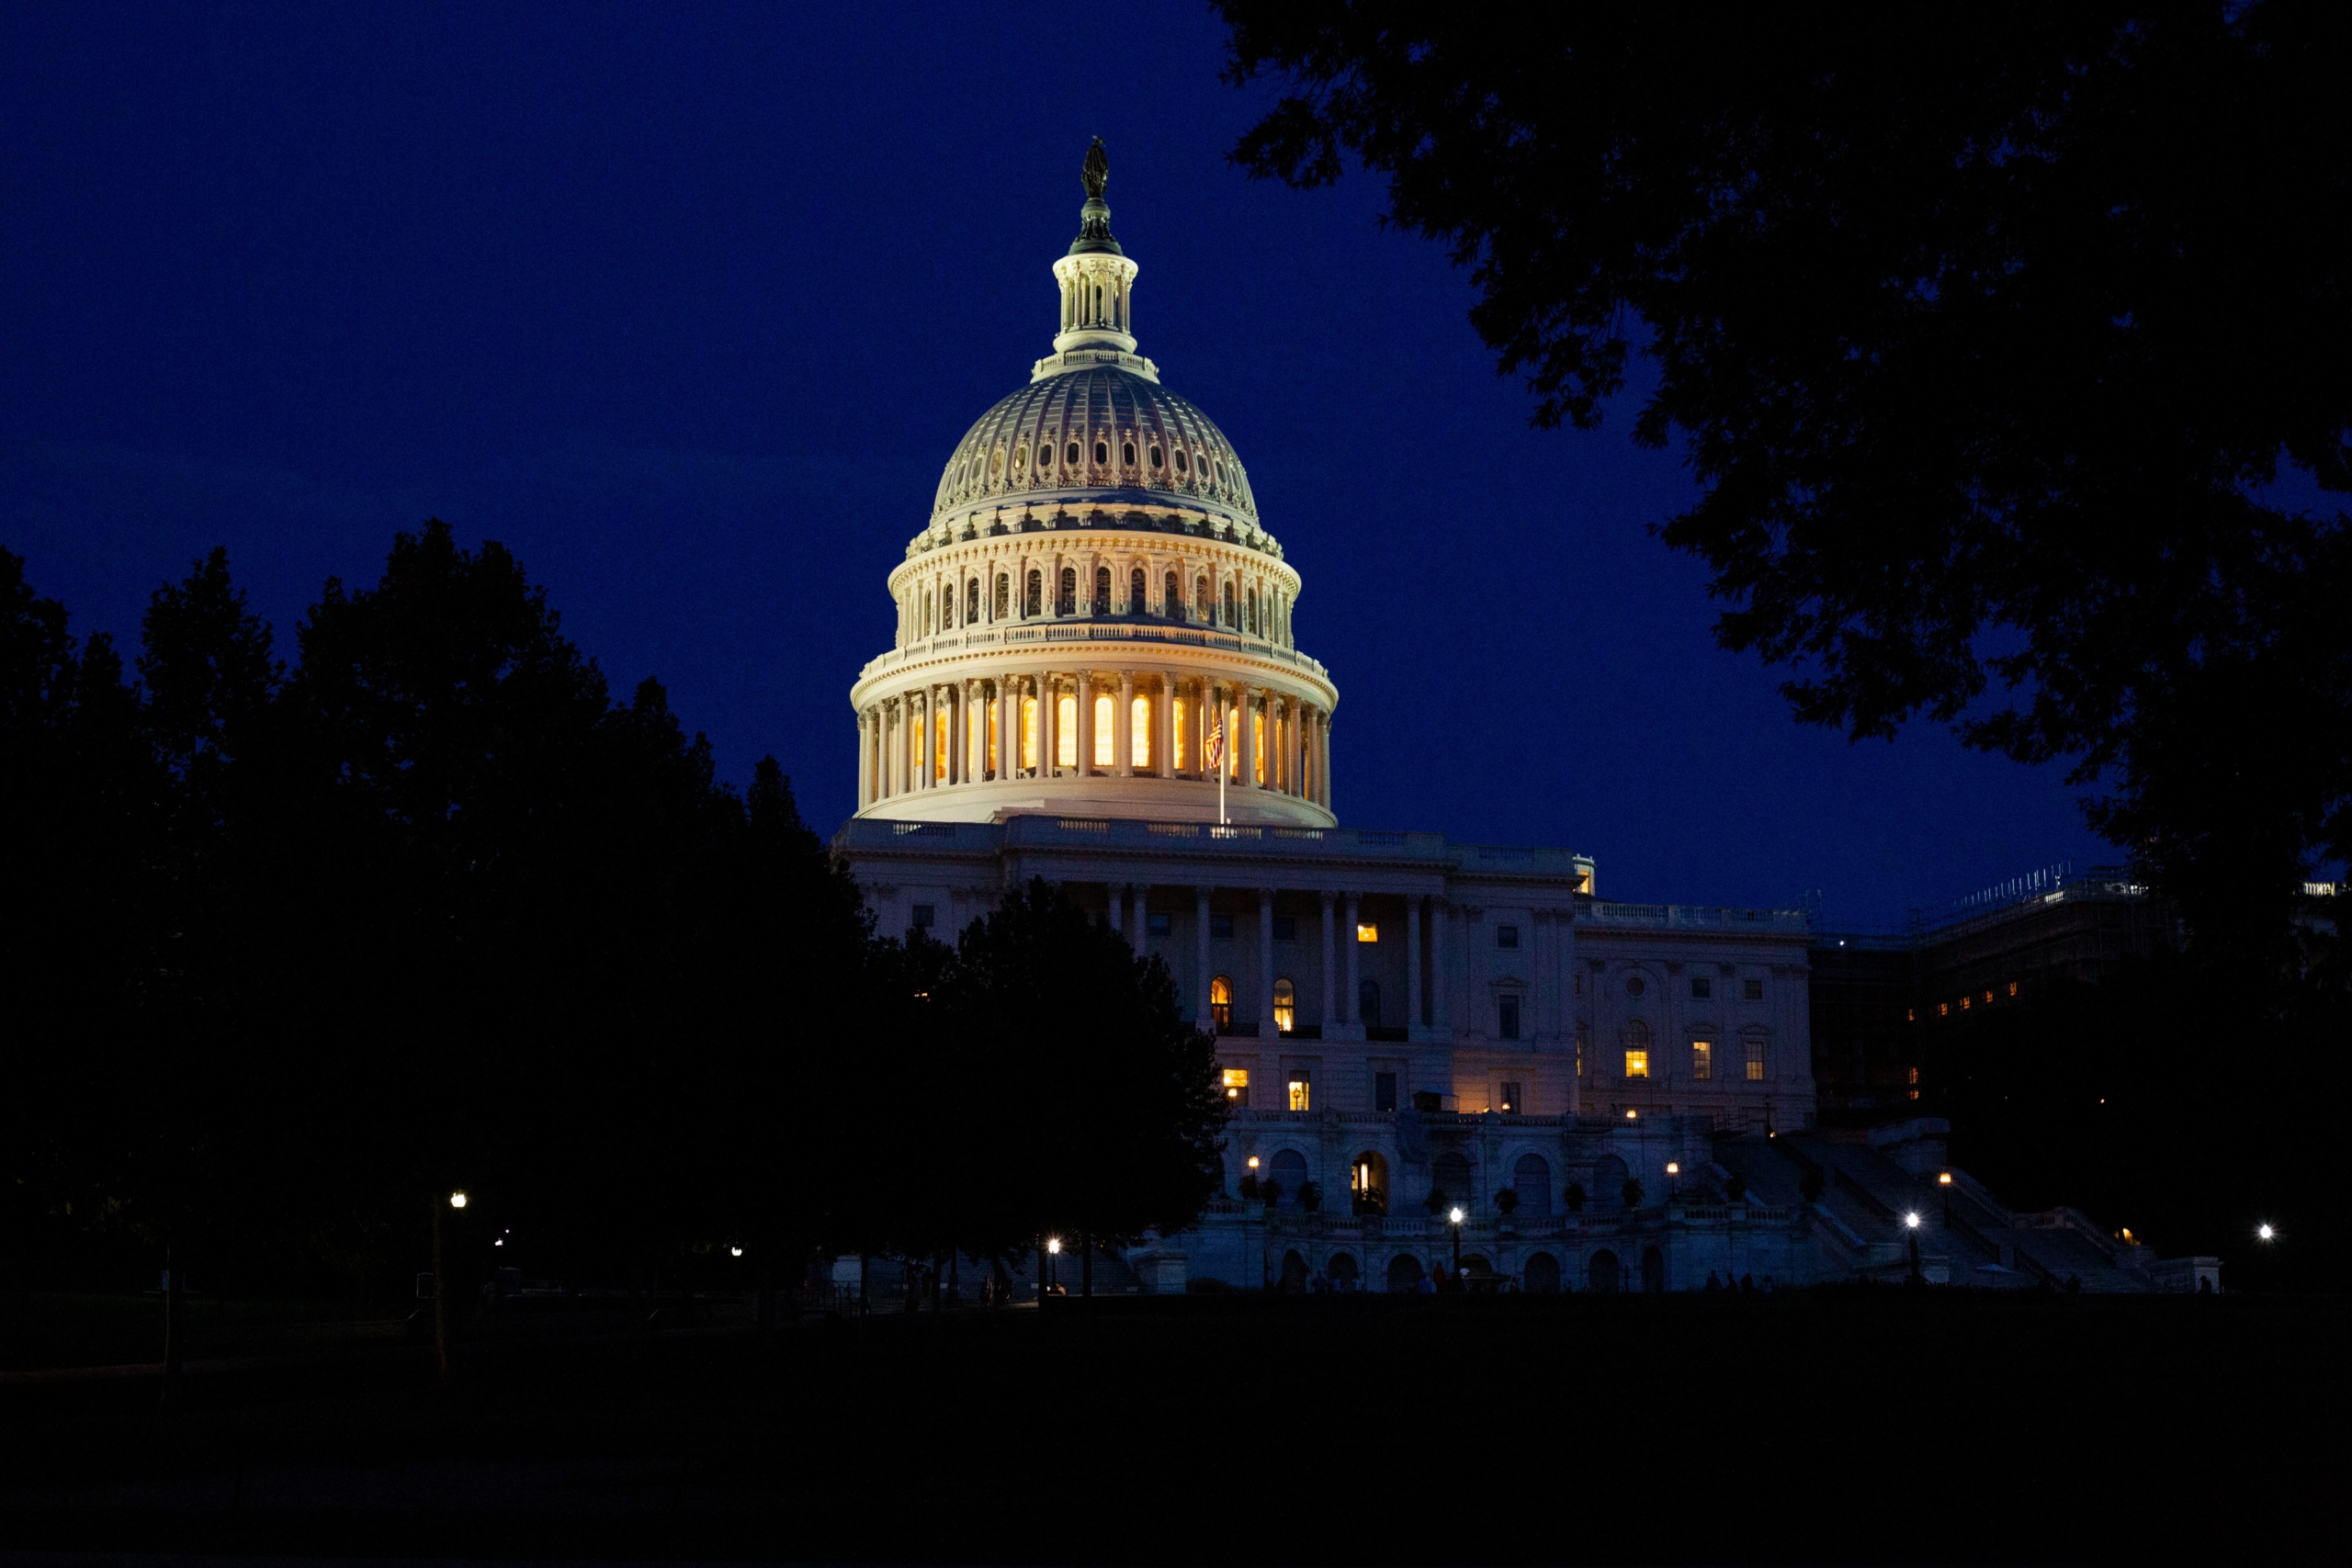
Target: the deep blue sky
pixel 689 304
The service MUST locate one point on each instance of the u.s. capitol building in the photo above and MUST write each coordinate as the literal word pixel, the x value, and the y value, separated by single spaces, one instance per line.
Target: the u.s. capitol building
pixel 1094 599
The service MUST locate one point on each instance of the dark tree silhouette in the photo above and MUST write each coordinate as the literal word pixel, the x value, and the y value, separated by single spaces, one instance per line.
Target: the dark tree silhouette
pixel 1984 330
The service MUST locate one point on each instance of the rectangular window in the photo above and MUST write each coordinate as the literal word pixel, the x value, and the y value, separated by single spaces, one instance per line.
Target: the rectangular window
pixel 1156 922
pixel 1367 933
pixel 1755 990
pixel 1701 986
pixel 1221 925
pixel 1703 1058
pixel 1139 733
pixel 1258 735
pixel 1506 936
pixel 1029 732
pixel 995 724
pixel 1104 709
pixel 1236 1086
pixel 1383 1091
pixel 1298 1093
pixel 1066 732
pixel 1511 1105
pixel 1910 1075
pixel 1507 1015
pixel 1637 1064
pixel 926 914
pixel 1285 928
pixel 1756 1061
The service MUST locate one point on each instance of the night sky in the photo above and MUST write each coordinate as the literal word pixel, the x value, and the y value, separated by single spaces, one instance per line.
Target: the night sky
pixel 688 305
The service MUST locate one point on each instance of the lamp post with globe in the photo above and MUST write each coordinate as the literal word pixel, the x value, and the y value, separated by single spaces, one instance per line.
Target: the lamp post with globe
pixel 1454 1217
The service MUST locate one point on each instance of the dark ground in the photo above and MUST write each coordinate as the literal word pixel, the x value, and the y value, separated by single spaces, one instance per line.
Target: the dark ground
pixel 1833 1426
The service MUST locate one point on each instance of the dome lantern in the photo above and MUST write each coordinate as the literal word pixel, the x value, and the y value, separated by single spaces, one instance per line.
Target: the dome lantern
pixel 1097 283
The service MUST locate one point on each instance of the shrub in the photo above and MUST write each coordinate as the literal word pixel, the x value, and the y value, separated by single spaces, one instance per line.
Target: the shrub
pixel 1575 1197
pixel 1632 1191
pixel 1506 1199
pixel 1310 1196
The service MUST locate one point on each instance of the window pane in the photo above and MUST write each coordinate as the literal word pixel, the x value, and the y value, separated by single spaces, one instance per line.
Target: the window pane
pixel 1140 724
pixel 1703 1059
pixel 1367 932
pixel 1177 707
pixel 1298 1094
pixel 1065 733
pixel 1028 732
pixel 1637 1064
pixel 1104 756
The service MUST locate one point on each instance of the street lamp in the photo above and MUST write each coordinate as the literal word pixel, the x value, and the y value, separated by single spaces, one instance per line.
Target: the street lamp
pixel 1673 1169
pixel 458 1200
pixel 2264 1233
pixel 1053 1251
pixel 1454 1215
pixel 1911 1220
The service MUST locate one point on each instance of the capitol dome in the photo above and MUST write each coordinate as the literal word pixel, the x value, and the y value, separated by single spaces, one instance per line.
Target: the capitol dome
pixel 1094 621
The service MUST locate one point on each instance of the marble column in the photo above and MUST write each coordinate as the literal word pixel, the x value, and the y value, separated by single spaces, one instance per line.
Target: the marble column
pixel 1266 963
pixel 956 706
pixel 1248 738
pixel 1139 915
pixel 1085 723
pixel 1163 755
pixel 1440 927
pixel 1348 940
pixel 1333 1013
pixel 1198 726
pixel 1413 962
pixel 1299 749
pixel 1049 720
pixel 864 757
pixel 1116 900
pixel 1323 760
pixel 1123 735
pixel 1008 727
pixel 1205 1019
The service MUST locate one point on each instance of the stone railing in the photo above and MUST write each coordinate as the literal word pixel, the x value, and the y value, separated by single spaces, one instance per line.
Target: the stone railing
pixel 1029 635
pixel 1691 918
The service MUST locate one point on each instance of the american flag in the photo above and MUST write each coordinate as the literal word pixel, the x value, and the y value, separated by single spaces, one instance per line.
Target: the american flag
pixel 1216 744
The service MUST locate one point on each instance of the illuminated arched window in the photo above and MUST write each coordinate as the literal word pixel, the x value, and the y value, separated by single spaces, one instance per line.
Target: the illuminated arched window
pixel 1003 596
pixel 1032 605
pixel 1177 714
pixel 1257 730
pixel 1201 599
pixel 1638 1049
pixel 929 609
pixel 1066 732
pixel 1137 596
pixel 1102 605
pixel 1230 613
pixel 1104 755
pixel 1249 607
pixel 1286 1005
pixel 971 600
pixel 939 733
pixel 1172 606
pixel 1221 1004
pixel 1066 605
pixel 1139 733
pixel 1029 731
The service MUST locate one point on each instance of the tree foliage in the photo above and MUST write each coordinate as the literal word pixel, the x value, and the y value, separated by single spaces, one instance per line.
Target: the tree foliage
pixel 1989 332
pixel 293 950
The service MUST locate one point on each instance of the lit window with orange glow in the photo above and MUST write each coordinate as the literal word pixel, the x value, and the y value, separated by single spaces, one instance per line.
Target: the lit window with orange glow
pixel 976 736
pixel 1286 1005
pixel 1988 999
pixel 1756 1061
pixel 1066 732
pixel 1221 1004
pixel 1104 754
pixel 1910 1075
pixel 1176 710
pixel 996 765
pixel 1367 932
pixel 939 746
pixel 1943 1009
pixel 1233 745
pixel 1298 1094
pixel 1703 1058
pixel 1257 735
pixel 1028 732
pixel 1237 1084
pixel 2013 987
pixel 1139 727
pixel 1963 1004
pixel 1637 1064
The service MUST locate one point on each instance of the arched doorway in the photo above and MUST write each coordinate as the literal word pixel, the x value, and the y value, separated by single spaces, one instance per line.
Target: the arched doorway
pixel 1604 1271
pixel 1293 1279
pixel 1368 1183
pixel 1404 1272
pixel 1652 1269
pixel 1532 1180
pixel 1289 1169
pixel 1342 1270
pixel 1541 1275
